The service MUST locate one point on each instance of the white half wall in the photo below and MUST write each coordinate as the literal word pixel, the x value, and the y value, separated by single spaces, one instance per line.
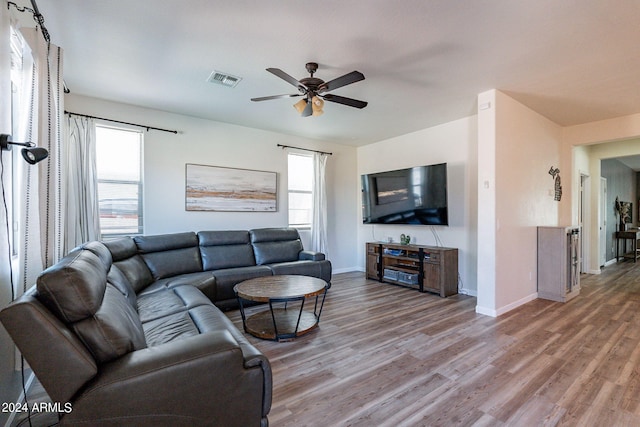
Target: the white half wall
pixel 486 303
pixel 454 143
pixel 214 143
pixel 514 180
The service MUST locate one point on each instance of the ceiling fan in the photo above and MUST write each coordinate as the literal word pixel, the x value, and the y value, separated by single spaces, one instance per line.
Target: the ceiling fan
pixel 314 90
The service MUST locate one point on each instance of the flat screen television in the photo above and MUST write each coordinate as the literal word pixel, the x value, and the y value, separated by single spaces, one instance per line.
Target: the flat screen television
pixel 406 196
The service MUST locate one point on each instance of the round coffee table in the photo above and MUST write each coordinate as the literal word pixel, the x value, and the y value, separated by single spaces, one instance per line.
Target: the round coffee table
pixel 281 322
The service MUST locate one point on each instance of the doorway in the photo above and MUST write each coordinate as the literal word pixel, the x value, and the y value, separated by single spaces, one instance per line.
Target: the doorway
pixel 602 222
pixel 584 219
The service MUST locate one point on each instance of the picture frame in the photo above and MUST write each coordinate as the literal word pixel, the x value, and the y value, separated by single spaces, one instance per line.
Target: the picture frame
pixel 224 189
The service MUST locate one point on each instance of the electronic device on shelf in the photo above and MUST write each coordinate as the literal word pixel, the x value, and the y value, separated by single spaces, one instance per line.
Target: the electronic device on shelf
pixel 393 252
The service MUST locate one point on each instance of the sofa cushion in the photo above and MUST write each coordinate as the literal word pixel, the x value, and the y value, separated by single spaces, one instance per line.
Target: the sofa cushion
pixel 125 256
pixel 168 255
pixel 114 330
pixel 319 269
pixel 121 248
pixel 223 237
pixel 225 249
pixel 200 319
pixel 73 288
pixel 273 234
pixel 204 281
pixel 271 245
pixel 117 279
pixel 99 250
pixel 227 278
pixel 272 252
pixel 169 328
pixel 166 301
pixel 136 271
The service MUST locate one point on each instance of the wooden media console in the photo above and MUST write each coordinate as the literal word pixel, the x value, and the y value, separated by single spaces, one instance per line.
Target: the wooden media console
pixel 425 268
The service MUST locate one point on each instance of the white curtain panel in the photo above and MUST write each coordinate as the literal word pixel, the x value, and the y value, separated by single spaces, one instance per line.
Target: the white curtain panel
pixel 5 127
pixel 82 210
pixel 319 223
pixel 42 216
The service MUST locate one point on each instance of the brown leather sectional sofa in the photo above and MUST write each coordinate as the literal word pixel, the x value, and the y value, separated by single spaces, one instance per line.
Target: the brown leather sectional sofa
pixel 127 331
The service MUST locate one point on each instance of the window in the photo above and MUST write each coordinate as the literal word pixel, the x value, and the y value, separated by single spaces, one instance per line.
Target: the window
pixel 300 190
pixel 119 170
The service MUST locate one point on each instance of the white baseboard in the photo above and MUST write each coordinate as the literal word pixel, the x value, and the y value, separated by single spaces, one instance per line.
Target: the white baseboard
pixel 502 310
pixel 606 264
pixel 486 311
pixel 470 292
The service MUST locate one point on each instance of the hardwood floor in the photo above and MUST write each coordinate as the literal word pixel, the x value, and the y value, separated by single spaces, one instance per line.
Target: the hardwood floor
pixel 384 355
pixel 388 356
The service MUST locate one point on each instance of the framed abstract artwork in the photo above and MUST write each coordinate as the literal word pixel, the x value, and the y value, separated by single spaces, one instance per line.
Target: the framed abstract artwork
pixel 214 188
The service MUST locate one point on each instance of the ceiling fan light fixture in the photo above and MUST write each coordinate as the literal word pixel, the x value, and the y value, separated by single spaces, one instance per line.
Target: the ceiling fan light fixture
pixel 316 104
pixel 300 105
pixel 313 89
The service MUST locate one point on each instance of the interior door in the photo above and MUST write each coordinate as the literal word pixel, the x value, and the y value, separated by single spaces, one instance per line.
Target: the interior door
pixel 602 221
pixel 584 221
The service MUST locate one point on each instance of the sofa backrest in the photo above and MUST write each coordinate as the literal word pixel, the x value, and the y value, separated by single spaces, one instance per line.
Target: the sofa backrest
pixel 225 249
pixel 168 255
pixel 78 291
pixel 124 253
pixel 273 245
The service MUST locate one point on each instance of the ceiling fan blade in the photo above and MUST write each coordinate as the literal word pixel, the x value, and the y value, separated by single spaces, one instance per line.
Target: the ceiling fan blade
pixel 345 101
pixel 286 77
pixel 347 79
pixel 266 98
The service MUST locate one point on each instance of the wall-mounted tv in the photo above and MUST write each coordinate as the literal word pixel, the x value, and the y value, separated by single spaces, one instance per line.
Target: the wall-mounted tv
pixel 406 196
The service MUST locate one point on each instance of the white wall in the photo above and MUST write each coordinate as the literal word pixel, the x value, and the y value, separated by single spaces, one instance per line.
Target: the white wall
pixel 454 143
pixel 208 142
pixel 487 201
pixel 526 145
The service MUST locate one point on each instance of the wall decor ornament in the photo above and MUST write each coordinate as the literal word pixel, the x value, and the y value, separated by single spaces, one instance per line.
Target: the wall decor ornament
pixel 555 173
pixel 624 210
pixel 214 188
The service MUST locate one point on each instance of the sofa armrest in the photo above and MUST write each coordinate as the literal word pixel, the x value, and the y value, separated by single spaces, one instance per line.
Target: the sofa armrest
pixel 185 382
pixel 310 256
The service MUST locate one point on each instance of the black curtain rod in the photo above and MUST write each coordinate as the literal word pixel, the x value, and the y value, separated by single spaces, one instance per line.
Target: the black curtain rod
pixel 37 16
pixel 304 149
pixel 124 123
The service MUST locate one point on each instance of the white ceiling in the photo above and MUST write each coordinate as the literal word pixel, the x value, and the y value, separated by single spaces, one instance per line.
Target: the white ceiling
pixel 574 61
